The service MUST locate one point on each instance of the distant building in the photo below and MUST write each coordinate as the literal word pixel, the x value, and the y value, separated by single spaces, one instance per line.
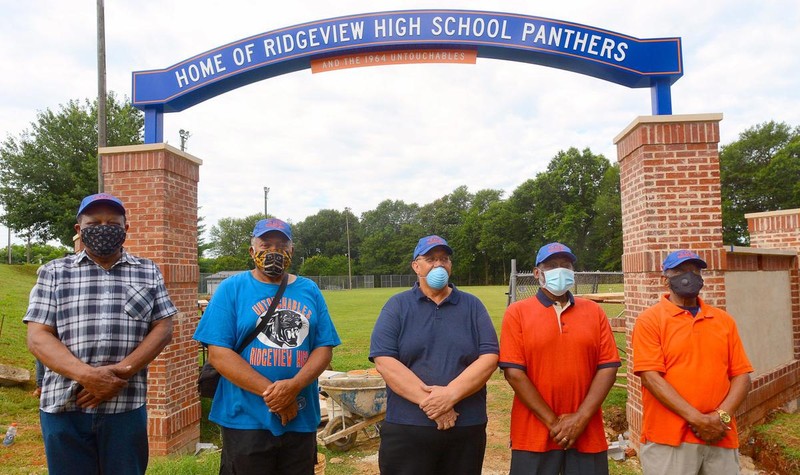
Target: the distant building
pixel 213 280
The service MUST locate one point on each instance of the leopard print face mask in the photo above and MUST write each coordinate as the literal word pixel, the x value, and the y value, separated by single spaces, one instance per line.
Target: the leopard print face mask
pixel 273 262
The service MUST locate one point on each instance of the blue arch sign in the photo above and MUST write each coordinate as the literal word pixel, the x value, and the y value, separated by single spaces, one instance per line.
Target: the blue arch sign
pixel 654 62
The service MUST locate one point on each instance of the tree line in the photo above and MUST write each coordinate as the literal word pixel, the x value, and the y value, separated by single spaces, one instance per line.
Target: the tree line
pixel 47 169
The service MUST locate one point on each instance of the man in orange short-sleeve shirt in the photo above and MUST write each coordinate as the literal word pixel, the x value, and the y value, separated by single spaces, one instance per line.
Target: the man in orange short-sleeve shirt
pixel 558 353
pixel 695 374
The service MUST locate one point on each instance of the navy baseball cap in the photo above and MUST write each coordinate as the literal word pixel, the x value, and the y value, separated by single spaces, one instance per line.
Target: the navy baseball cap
pixel 272 224
pixel 680 256
pixel 100 198
pixel 549 250
pixel 429 242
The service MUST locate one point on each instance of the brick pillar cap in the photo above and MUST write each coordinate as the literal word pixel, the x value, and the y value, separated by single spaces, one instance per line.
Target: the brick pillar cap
pixel 148 147
pixel 667 119
pixel 767 214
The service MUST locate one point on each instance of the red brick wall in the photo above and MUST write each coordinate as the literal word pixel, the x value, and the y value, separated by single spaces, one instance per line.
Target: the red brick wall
pixel 776 230
pixel 158 185
pixel 669 173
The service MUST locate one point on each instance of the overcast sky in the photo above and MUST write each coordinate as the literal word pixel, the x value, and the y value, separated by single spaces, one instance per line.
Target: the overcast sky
pixel 353 138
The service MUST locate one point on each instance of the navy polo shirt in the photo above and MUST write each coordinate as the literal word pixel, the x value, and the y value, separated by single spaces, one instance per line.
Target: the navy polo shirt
pixel 436 342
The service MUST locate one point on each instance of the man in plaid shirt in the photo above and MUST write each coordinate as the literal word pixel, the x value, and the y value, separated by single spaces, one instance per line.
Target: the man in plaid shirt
pixel 96 320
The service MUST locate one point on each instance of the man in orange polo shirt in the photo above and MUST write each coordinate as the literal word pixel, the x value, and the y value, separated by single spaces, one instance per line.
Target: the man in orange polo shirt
pixel 694 373
pixel 558 353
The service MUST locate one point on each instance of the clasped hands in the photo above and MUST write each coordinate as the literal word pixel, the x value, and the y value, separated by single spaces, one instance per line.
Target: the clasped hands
pixel 566 429
pixel 102 383
pixel 709 428
pixel 438 406
pixel 281 399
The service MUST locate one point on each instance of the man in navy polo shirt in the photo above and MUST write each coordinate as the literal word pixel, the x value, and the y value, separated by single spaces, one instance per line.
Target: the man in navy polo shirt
pixel 436 347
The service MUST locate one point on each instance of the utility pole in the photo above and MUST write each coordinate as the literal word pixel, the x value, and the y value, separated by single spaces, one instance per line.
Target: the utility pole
pixel 266 197
pixel 347 228
pixel 101 89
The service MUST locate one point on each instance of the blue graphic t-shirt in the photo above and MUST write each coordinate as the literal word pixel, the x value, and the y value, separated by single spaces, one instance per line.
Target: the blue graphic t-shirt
pixel 300 324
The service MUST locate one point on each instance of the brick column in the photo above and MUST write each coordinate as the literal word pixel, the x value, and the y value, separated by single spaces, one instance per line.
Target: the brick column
pixel 670 190
pixel 158 185
pixel 781 230
pixel 775 229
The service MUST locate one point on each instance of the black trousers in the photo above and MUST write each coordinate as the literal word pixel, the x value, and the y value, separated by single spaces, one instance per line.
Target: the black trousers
pixel 247 452
pixel 558 462
pixel 415 450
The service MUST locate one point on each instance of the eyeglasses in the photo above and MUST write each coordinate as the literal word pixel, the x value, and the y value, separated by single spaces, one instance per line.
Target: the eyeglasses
pixel 434 260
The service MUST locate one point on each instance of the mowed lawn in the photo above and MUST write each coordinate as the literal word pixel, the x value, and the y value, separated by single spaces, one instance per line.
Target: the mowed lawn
pixel 354 313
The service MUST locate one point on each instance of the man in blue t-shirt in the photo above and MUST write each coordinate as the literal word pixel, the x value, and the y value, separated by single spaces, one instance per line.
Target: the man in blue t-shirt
pixel 436 347
pixel 267 402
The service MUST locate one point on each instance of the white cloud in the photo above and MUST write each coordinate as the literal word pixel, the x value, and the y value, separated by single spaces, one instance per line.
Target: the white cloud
pixel 357 137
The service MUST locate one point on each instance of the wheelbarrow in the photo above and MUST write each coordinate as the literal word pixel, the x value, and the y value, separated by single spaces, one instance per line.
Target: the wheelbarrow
pixel 357 401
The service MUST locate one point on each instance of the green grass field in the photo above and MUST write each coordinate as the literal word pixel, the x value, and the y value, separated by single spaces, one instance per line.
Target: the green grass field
pixel 354 313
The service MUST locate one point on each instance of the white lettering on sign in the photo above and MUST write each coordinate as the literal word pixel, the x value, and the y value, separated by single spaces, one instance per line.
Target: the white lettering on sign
pixel 533 33
pixel 568 39
pixel 312 37
pixel 202 69
pixel 461 26
pixel 389 27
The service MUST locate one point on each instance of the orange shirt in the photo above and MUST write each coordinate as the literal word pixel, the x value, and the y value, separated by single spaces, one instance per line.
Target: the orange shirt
pixel 697 356
pixel 560 360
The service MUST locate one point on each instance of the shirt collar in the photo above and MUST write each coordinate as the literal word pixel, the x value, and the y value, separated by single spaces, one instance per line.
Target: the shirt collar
pixel 453 298
pixel 674 310
pixel 124 258
pixel 545 300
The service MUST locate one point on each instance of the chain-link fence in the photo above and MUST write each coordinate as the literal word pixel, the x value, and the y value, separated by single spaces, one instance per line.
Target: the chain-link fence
pixel 398 280
pixel 523 284
pixel 209 282
pixel 343 282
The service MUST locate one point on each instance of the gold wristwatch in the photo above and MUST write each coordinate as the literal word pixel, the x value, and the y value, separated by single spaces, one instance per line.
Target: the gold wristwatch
pixel 724 416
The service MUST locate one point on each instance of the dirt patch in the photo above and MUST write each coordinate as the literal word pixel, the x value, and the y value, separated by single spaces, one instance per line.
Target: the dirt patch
pixel 773 446
pixel 615 420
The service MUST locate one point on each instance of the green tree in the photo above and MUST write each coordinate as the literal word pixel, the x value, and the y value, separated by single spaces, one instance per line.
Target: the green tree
pixel 325 233
pixel 758 172
pixel 202 245
pixel 605 234
pixel 39 253
pixel 391 231
pixel 446 214
pixel 47 170
pixel 324 265
pixel 475 259
pixel 230 238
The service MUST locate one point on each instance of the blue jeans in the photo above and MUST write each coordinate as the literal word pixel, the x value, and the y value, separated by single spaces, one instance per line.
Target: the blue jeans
pixel 76 442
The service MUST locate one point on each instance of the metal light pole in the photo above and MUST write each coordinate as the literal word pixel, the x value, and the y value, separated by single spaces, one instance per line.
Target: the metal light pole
pixel 347 228
pixel 101 89
pixel 266 196
pixel 184 135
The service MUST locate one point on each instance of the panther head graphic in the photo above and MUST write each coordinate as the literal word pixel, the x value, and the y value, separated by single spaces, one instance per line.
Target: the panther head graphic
pixel 283 328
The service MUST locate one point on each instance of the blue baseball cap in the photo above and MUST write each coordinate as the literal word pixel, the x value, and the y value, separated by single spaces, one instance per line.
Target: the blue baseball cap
pixel 680 256
pixel 272 224
pixel 549 250
pixel 429 242
pixel 100 198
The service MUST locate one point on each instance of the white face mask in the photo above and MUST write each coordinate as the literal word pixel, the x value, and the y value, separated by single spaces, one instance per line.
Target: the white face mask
pixel 557 281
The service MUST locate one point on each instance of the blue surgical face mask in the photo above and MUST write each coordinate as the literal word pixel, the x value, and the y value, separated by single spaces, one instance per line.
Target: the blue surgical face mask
pixel 437 278
pixel 558 281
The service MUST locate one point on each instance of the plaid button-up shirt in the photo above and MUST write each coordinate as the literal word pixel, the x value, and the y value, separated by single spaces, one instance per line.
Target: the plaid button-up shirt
pixel 101 316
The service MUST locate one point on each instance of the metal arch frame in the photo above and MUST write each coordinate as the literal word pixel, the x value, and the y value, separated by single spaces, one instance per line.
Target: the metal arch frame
pixel 653 63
